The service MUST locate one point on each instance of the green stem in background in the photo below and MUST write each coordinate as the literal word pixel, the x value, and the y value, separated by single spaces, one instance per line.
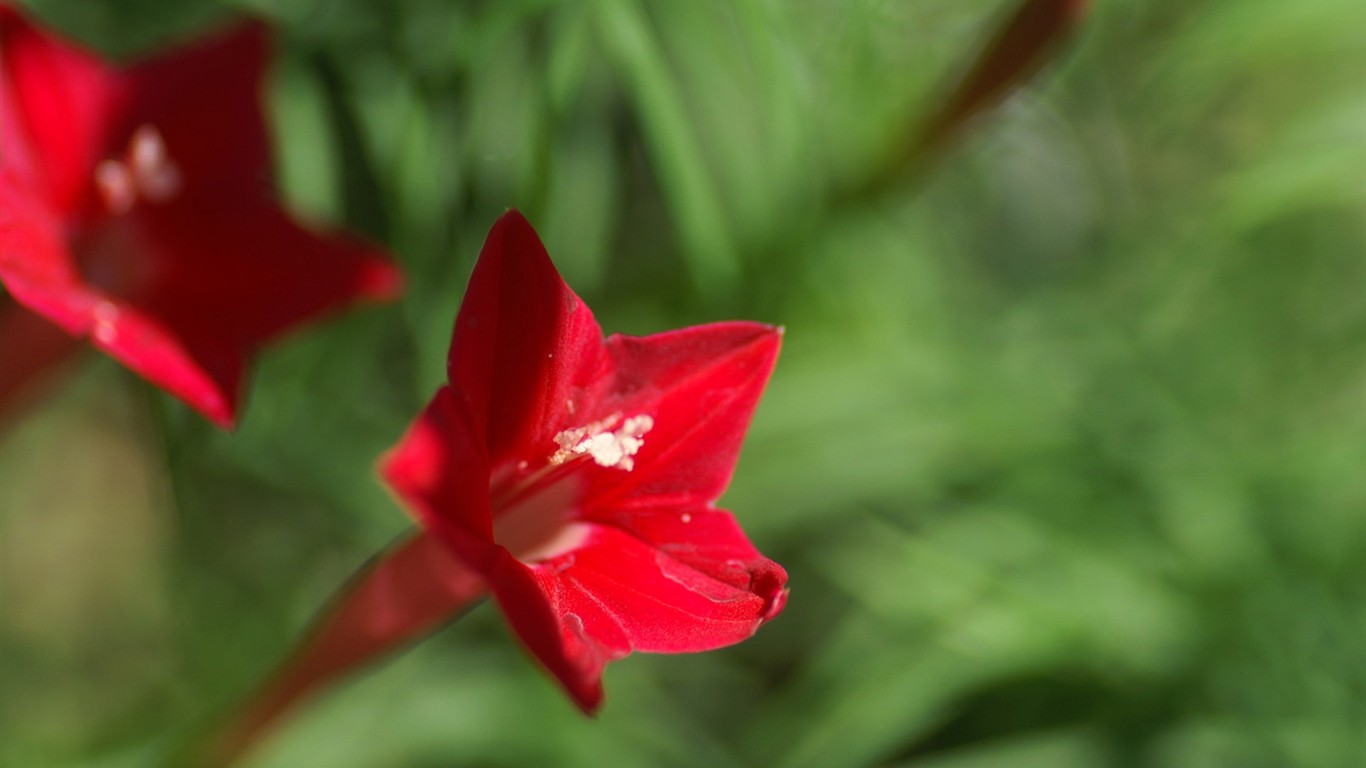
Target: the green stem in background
pixel 362 194
pixel 410 589
pixel 1017 51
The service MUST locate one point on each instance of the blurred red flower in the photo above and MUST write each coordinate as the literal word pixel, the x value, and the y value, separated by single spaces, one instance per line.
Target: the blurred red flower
pixel 135 210
pixel 577 476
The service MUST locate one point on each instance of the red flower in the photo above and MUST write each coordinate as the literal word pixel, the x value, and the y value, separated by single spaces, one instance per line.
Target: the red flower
pixel 577 475
pixel 135 210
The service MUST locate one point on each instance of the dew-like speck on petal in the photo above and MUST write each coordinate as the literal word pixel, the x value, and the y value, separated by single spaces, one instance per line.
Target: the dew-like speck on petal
pixel 115 185
pixel 105 315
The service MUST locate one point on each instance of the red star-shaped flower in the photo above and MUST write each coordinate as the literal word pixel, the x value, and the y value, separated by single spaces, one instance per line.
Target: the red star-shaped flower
pixel 577 475
pixel 135 210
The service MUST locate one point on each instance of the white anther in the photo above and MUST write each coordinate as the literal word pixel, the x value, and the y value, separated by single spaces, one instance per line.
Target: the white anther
pixel 145 172
pixel 105 314
pixel 607 447
pixel 157 177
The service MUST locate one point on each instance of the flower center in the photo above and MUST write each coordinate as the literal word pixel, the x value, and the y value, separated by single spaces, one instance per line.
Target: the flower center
pixel 145 172
pixel 534 513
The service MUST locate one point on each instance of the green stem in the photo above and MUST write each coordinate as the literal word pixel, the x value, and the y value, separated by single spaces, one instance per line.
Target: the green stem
pixel 406 592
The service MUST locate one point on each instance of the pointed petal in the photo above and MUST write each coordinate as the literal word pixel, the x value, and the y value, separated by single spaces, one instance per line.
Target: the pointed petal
pixel 523 343
pixel 207 376
pixel 64 97
pixel 617 594
pixel 240 274
pixel 532 601
pixel 228 280
pixel 657 602
pixel 707 541
pixel 204 98
pixel 440 470
pixel 700 386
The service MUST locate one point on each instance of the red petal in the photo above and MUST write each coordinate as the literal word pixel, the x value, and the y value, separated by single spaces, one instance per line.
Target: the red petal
pixel 708 541
pixel 35 264
pixel 530 599
pixel 205 100
pixel 241 273
pixel 523 343
pixel 658 603
pixel 443 473
pixel 205 375
pixel 65 98
pixel 617 594
pixel 229 279
pixel 36 269
pixel 700 386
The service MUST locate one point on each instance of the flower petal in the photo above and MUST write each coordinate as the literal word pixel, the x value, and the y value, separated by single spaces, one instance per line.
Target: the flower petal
pixel 227 280
pixel 244 272
pixel 706 540
pixel 532 601
pixel 64 97
pixel 37 270
pixel 660 604
pixel 204 99
pixel 523 343
pixel 700 386
pixel 207 376
pixel 614 595
pixel 35 265
pixel 441 471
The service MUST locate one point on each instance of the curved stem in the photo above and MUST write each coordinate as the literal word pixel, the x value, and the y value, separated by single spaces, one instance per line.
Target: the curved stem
pixel 1016 52
pixel 404 593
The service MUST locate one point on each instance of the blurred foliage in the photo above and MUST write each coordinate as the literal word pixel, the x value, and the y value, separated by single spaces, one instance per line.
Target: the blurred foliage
pixel 1065 451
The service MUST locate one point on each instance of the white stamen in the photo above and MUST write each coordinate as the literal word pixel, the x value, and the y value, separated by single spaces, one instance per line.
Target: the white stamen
pixel 145 172
pixel 105 314
pixel 158 178
pixel 607 448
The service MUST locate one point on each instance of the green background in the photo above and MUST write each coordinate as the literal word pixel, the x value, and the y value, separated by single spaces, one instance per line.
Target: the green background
pixel 1065 453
